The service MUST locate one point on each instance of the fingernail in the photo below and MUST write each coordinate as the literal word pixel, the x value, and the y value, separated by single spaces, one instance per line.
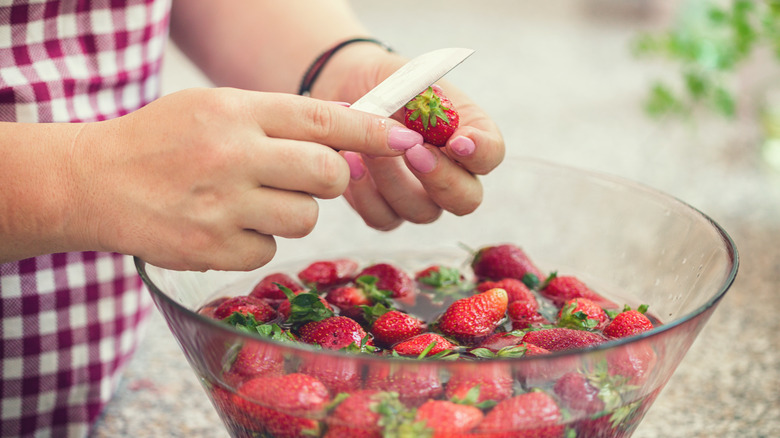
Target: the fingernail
pixel 337 102
pixel 420 158
pixel 462 145
pixel 356 168
pixel 402 139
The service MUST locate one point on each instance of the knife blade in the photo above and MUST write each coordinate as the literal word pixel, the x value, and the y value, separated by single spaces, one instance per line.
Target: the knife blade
pixel 409 80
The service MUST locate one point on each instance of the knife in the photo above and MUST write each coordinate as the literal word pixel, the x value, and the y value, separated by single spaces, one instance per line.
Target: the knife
pixel 410 80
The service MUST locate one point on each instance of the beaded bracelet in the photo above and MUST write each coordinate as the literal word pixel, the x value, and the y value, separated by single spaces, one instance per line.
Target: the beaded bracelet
pixel 316 67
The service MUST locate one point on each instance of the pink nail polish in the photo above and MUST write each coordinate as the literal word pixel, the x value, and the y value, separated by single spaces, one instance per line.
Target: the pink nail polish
pixel 356 167
pixel 462 145
pixel 402 139
pixel 420 158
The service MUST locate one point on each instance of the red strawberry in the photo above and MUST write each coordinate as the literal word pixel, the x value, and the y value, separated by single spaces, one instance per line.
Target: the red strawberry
pixel 524 315
pixel 472 318
pixel 285 307
pixel 446 419
pixel 357 416
pixel 504 261
pixel 345 297
pixel 491 381
pixel 417 345
pixel 332 333
pixel 336 373
pixel 515 289
pixel 582 314
pixel 255 359
pixel 628 323
pixel 390 278
pixel 559 338
pixel 268 290
pixel 414 383
pixel 208 308
pixel 560 289
pixel 577 393
pixel 499 341
pixel 439 277
pixel 394 326
pixel 431 114
pixel 284 405
pixel 328 273
pixel 632 361
pixel 533 414
pixel 246 305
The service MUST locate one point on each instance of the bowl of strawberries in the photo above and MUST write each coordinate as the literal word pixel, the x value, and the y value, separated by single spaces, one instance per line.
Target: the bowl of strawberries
pixel 559 308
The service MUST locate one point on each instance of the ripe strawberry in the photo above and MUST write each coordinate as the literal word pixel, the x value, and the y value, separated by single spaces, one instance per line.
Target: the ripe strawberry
pixel 255 359
pixel 634 362
pixel 390 278
pixel 432 114
pixel 472 318
pixel 505 261
pixel 478 384
pixel 559 338
pixel 414 383
pixel 628 323
pixel 284 405
pixel 577 393
pixel 208 309
pixel 332 333
pixel 582 314
pixel 439 277
pixel 533 414
pixel 394 326
pixel 418 344
pixel 337 374
pixel 447 419
pixel 560 289
pixel 515 289
pixel 357 416
pixel 345 297
pixel 246 305
pixel 268 290
pixel 327 273
pixel 500 341
pixel 525 315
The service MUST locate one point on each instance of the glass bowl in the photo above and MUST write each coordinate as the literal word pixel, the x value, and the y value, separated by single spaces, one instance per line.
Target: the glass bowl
pixel 632 244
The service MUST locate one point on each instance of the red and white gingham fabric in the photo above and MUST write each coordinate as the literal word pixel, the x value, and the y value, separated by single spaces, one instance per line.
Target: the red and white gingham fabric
pixel 71 321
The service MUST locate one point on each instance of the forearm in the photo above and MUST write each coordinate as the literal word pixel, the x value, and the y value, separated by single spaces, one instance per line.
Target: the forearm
pixel 37 200
pixel 263 45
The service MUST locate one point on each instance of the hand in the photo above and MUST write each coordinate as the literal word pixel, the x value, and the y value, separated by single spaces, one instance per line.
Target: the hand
pixel 204 178
pixel 427 179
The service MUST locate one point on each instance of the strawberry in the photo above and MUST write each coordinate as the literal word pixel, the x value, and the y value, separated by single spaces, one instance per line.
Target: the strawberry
pixel 628 323
pixel 286 406
pixel 560 338
pixel 560 289
pixel 327 273
pixel 268 289
pixel 390 278
pixel 432 114
pixel 500 341
pixel 428 343
pixel 414 383
pixel 633 361
pixel 332 333
pixel 505 261
pixel 245 305
pixel 207 309
pixel 254 359
pixel 447 419
pixel 394 326
pixel 472 318
pixel 492 382
pixel 357 416
pixel 515 289
pixel 582 314
pixel 337 374
pixel 286 307
pixel 533 414
pixel 439 277
pixel 577 393
pixel 525 315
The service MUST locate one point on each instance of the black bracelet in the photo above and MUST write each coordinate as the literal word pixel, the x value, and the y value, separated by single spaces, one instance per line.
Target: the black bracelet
pixel 316 67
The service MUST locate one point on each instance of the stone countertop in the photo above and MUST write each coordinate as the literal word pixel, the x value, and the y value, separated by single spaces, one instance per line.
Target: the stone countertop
pixel 562 85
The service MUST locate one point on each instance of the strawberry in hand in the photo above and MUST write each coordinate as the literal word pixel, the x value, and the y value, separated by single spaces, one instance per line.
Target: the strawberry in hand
pixel 431 114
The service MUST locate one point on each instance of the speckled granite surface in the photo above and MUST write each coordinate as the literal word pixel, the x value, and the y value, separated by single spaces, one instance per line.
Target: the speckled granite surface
pixel 560 82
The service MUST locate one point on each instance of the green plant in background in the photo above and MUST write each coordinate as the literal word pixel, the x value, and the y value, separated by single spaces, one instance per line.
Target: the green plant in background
pixel 709 42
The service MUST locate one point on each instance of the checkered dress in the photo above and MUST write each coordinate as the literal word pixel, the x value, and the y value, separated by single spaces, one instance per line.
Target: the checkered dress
pixel 69 322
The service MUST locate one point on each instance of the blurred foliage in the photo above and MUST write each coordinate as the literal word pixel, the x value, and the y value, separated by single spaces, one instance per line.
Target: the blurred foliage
pixel 709 42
